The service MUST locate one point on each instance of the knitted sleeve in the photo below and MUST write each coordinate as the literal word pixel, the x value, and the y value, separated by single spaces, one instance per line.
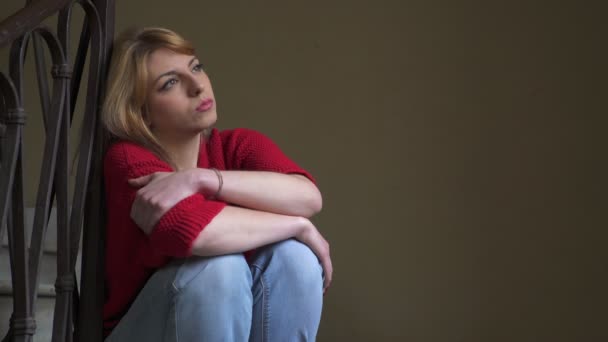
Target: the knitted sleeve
pixel 177 229
pixel 247 149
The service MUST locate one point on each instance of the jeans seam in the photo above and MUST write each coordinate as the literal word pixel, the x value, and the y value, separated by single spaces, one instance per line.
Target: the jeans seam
pixel 177 276
pixel 175 317
pixel 175 289
pixel 265 305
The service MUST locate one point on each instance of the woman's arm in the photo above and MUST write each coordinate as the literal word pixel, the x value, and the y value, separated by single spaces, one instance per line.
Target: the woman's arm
pixel 262 177
pixel 232 230
pixel 286 194
pixel 236 230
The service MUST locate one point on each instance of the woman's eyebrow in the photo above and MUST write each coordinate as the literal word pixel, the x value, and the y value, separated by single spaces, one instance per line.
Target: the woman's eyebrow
pixel 172 72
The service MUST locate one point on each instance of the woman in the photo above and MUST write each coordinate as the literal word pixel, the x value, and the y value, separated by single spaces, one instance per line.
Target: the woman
pixel 208 236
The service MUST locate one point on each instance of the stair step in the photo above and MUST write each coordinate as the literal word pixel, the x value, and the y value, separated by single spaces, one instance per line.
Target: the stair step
pixel 47 267
pixel 50 241
pixel 44 290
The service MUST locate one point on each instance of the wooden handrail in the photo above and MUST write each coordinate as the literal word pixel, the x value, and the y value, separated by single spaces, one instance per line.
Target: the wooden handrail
pixel 27 18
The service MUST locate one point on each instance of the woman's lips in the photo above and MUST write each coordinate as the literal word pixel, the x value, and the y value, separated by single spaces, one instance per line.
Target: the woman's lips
pixel 205 105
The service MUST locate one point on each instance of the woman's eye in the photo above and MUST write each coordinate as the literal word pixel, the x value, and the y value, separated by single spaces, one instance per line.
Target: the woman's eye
pixel 198 67
pixel 168 84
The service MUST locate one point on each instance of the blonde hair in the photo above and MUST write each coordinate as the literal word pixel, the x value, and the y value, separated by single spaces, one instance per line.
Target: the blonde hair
pixel 123 112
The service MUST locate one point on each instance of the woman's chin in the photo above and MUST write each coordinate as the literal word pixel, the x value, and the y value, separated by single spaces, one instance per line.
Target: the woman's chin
pixel 207 119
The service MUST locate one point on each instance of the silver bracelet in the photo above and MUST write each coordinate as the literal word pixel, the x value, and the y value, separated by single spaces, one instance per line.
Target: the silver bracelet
pixel 220 180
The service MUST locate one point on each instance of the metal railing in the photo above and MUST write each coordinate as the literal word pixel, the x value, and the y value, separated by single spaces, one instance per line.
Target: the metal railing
pixel 77 312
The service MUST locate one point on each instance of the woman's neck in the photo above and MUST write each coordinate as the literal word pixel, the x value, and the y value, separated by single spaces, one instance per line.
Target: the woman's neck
pixel 184 152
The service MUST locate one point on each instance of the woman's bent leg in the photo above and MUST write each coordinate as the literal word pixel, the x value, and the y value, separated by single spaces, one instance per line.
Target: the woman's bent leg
pixel 147 317
pixel 287 292
pixel 197 299
pixel 213 299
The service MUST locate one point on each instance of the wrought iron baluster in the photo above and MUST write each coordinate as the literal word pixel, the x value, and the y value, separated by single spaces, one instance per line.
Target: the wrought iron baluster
pixel 64 284
pixel 90 327
pixel 22 325
pixel 73 318
pixel 43 83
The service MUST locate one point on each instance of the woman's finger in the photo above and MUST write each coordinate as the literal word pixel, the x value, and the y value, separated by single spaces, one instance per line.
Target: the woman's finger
pixel 328 268
pixel 140 181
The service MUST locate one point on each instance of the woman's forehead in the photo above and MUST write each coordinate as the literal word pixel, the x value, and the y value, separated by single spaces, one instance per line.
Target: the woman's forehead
pixel 164 60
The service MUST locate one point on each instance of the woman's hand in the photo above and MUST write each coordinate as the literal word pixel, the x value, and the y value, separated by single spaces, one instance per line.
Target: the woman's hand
pixel 311 237
pixel 158 193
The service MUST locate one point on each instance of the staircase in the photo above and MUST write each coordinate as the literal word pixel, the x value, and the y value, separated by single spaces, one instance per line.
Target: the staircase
pixel 46 290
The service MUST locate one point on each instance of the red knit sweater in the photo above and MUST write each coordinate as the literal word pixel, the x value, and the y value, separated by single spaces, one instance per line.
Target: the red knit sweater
pixel 132 256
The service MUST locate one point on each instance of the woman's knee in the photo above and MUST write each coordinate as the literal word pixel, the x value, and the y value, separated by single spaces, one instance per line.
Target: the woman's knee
pixel 299 263
pixel 221 278
pixel 213 299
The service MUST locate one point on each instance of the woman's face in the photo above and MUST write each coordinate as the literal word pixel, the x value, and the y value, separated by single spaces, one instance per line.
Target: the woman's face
pixel 180 102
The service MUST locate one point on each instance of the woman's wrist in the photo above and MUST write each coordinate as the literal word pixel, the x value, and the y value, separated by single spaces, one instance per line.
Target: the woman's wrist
pixel 302 227
pixel 202 179
pixel 206 181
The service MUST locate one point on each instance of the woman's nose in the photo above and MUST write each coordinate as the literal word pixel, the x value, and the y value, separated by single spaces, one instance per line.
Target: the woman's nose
pixel 196 87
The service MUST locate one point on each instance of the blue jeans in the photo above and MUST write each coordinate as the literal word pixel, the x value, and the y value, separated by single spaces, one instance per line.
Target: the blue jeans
pixel 278 296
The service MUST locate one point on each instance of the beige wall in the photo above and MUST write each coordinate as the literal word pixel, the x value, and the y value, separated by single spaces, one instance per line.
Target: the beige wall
pixel 460 148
